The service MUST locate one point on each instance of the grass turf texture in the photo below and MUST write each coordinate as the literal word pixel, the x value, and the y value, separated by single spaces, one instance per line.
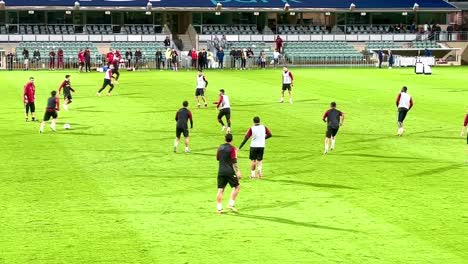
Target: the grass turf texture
pixel 110 190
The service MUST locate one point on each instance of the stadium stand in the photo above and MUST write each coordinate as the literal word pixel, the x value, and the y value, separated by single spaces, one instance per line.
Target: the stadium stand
pixel 147 48
pixel 299 29
pixel 375 45
pixel 241 29
pixel 70 49
pixel 425 44
pixel 320 49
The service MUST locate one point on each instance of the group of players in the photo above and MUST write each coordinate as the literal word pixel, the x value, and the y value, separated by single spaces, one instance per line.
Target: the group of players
pixel 228 172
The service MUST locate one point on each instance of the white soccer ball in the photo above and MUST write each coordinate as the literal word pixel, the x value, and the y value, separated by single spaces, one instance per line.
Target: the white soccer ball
pixel 67 126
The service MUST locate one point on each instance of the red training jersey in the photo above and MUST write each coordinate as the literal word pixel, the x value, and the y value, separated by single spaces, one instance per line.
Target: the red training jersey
pixel 81 56
pixel 465 123
pixel 110 57
pixel 29 92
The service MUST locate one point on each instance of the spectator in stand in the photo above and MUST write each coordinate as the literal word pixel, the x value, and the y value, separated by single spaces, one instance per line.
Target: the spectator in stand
pixel 250 58
pixel 262 59
pixel 426 28
pixel 380 54
pixel 9 61
pixel 216 43
pixel 60 59
pixel 167 42
pixel 237 57
pixel 174 59
pixel 427 52
pixel 279 44
pixel 26 59
pixel 52 59
pixel 223 42
pixel 220 57
pixel 276 56
pixel 110 57
pixel 36 59
pixel 87 55
pixel 138 57
pixel 210 59
pixel 81 60
pixel 159 59
pixel 205 59
pixel 391 60
pixel 194 58
pixel 232 56
pixel 200 60
pixel 128 58
pixel 243 59
pixel 168 58
pixel 450 31
pixel 413 28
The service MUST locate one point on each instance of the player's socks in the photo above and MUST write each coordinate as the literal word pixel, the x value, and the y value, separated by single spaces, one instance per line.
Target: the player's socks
pixel 228 130
pixel 252 174
pixel 281 100
pixel 223 128
pixel 98 94
pixel 259 171
pixel 41 128
pixel 326 149
pixel 198 105
pixel 332 145
pixel 219 207
pixel 108 94
pixel 65 106
pixel 26 119
pixel 231 205
pixel 53 127
pixel 187 150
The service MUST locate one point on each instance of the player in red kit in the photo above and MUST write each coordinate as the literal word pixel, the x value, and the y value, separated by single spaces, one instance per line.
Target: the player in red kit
pixel 110 57
pixel 116 62
pixel 464 131
pixel 67 89
pixel 81 60
pixel 29 96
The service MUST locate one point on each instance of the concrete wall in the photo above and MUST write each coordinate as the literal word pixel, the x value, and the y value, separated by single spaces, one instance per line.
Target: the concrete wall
pixel 464 50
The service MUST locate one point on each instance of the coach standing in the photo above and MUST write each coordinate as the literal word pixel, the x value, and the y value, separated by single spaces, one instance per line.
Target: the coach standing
pixel 404 102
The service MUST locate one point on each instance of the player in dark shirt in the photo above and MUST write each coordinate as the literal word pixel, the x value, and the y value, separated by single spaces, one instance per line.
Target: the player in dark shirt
pixel 228 172
pixel 53 106
pixel 67 89
pixel 182 117
pixel 334 119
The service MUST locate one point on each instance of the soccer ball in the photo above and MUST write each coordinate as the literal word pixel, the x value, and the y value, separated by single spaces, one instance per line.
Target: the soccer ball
pixel 67 126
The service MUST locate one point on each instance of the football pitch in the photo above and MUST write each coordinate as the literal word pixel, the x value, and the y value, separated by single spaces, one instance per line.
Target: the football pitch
pixel 111 190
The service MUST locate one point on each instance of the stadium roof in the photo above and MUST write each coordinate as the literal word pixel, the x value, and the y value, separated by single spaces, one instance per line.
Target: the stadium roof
pixel 266 5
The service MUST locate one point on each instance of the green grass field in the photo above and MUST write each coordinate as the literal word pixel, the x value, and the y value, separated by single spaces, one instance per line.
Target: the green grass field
pixel 110 190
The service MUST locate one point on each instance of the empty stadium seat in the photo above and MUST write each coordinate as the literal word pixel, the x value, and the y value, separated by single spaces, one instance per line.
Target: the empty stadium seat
pixel 241 29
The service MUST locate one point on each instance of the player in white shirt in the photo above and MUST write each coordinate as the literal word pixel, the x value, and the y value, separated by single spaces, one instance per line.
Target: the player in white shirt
pixel 109 75
pixel 259 134
pixel 287 84
pixel 202 83
pixel 224 107
pixel 404 103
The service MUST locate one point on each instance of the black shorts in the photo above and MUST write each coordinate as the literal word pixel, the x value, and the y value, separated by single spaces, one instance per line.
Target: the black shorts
pixel 183 131
pixel 81 63
pixel 402 114
pixel 49 114
pixel 256 153
pixel 200 92
pixel 107 82
pixel 286 86
pixel 223 180
pixel 225 112
pixel 30 107
pixel 331 132
pixel 67 97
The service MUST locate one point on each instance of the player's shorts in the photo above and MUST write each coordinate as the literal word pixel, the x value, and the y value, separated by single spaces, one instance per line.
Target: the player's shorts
pixel 331 132
pixel 81 63
pixel 200 92
pixel 286 86
pixel 225 112
pixel 223 180
pixel 402 114
pixel 30 107
pixel 183 131
pixel 49 114
pixel 256 153
pixel 67 97
pixel 107 82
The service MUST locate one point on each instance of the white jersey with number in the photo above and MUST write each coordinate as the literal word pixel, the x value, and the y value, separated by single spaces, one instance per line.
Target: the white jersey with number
pixel 225 102
pixel 287 77
pixel 201 84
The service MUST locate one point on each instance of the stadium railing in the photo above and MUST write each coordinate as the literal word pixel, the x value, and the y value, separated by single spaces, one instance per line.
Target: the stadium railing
pixel 82 37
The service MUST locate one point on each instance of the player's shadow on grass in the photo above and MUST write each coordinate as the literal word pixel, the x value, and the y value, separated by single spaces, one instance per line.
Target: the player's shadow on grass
pixel 292 222
pixel 312 184
pixel 437 170
pixel 74 133
pixel 379 156
pixel 157 111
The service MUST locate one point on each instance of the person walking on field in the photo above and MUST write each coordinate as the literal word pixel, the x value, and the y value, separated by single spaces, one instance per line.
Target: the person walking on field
pixel 182 117
pixel 228 172
pixel 404 103
pixel 334 119
pixel 259 134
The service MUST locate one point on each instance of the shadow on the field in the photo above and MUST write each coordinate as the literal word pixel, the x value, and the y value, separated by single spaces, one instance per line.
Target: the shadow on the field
pixel 312 184
pixel 437 170
pixel 378 156
pixel 74 133
pixel 453 138
pixel 157 111
pixel 292 222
